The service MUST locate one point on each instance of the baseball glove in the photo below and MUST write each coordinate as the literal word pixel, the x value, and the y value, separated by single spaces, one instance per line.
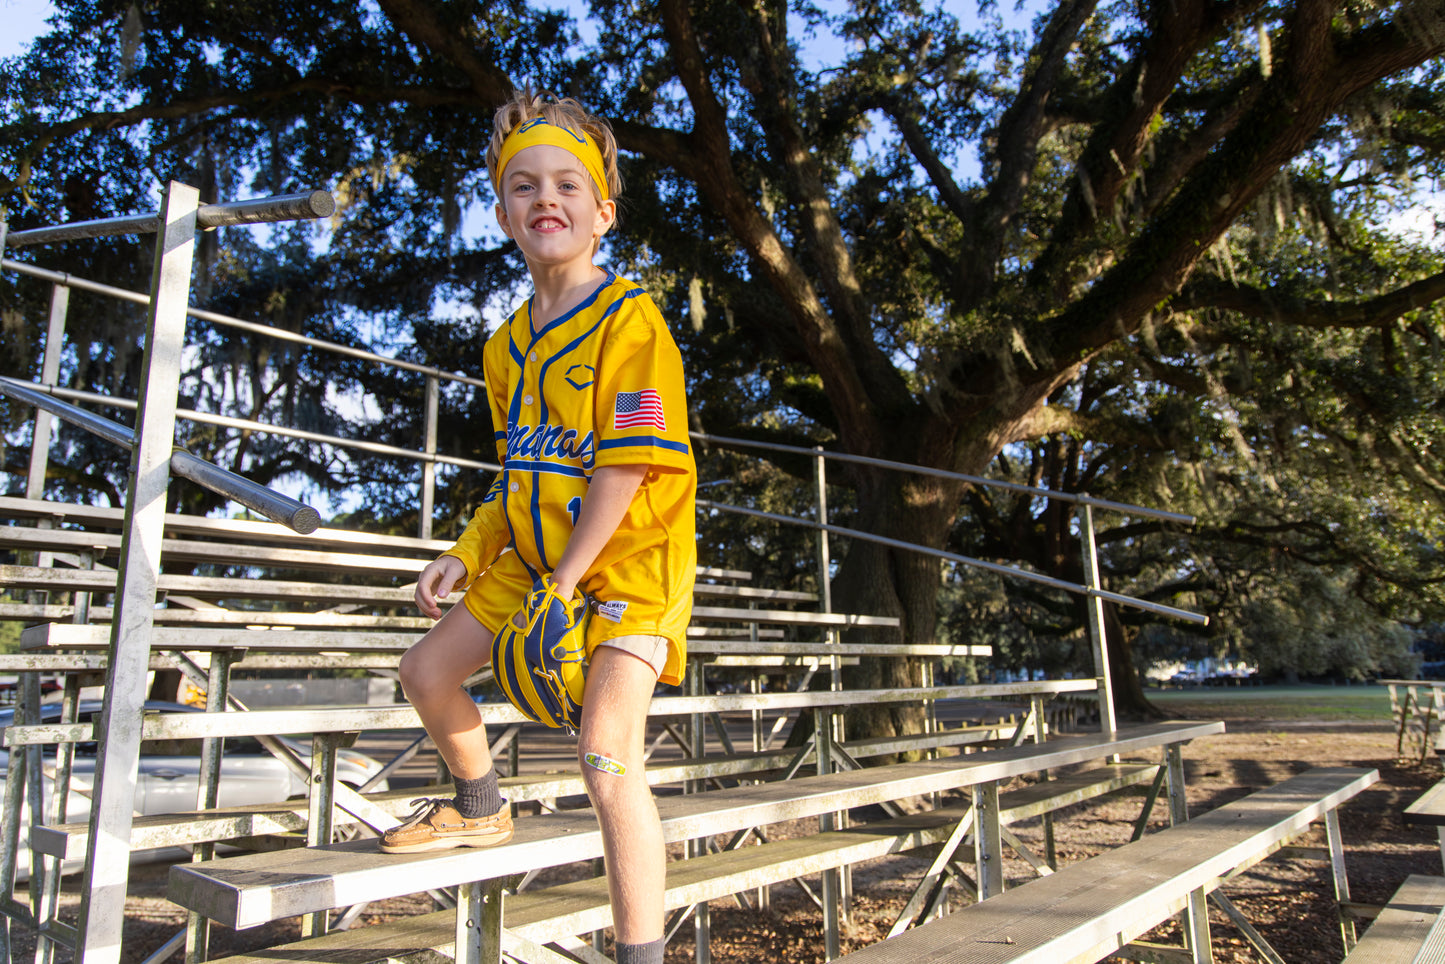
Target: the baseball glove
pixel 539 655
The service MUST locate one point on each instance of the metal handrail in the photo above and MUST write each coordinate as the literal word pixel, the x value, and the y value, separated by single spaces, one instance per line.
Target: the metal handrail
pixel 215 317
pixel 251 425
pixel 1074 497
pixel 63 278
pixel 1011 571
pixel 282 207
pixel 273 505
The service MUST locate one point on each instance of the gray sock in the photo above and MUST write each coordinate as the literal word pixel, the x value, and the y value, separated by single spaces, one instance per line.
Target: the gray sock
pixel 479 797
pixel 649 953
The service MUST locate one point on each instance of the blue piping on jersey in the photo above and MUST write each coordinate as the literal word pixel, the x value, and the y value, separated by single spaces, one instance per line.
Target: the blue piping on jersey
pixel 586 303
pixel 514 408
pixel 650 441
pixel 539 467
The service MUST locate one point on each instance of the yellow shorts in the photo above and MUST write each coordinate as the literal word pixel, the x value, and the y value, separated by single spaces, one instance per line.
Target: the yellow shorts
pixel 630 624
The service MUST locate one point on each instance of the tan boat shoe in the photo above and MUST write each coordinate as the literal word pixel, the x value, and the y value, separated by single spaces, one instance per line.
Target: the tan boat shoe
pixel 436 825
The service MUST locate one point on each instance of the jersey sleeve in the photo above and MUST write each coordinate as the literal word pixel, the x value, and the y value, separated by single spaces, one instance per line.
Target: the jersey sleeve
pixel 641 415
pixel 496 368
pixel 486 535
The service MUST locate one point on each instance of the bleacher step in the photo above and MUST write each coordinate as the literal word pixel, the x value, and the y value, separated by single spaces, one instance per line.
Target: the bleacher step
pixel 581 906
pixel 1093 907
pixel 245 891
pixel 1399 932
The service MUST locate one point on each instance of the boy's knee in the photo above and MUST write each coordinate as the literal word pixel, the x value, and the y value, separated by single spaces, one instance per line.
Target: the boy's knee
pixel 604 773
pixel 418 682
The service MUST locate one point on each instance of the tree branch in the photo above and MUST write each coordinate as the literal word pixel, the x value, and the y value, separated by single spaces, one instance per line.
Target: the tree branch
pixel 417 19
pixel 1279 305
pixel 860 424
pixel 1284 119
pixel 1019 131
pixel 1112 157
pixel 818 217
pixel 210 101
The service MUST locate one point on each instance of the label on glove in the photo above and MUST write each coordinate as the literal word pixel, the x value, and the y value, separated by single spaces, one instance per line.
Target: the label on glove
pixel 612 610
pixel 604 763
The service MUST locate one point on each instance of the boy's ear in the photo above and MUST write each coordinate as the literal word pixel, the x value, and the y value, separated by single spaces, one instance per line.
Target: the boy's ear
pixel 606 218
pixel 502 221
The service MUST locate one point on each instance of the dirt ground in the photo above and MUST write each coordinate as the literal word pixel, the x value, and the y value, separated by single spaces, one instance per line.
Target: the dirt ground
pixel 1287 899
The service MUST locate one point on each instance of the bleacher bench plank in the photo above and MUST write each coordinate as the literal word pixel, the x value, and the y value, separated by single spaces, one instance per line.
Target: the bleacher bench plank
pixel 401 716
pixel 1428 810
pixel 218 553
pixel 257 531
pixel 1089 909
pixel 73 636
pixel 582 906
pixel 245 891
pixel 227 823
pixel 1399 932
pixel 168 635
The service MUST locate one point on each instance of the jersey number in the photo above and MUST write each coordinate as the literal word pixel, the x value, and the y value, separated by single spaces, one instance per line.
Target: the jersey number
pixel 575 507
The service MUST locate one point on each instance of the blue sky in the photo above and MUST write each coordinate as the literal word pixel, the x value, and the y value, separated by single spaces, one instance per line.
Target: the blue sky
pixel 23 20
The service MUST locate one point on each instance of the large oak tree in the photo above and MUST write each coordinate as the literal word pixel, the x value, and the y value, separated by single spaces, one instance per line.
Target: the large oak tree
pixel 894 230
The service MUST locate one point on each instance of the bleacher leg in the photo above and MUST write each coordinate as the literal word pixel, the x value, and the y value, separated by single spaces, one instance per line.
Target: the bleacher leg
pixel 1195 922
pixel 10 841
pixel 1341 879
pixel 218 683
pixel 701 914
pixel 34 788
pixel 320 814
pixel 59 813
pixel 479 922
pixel 1261 946
pixel 827 822
pixel 988 840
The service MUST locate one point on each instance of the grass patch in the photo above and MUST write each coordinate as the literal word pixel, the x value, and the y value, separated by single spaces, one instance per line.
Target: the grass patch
pixel 1365 703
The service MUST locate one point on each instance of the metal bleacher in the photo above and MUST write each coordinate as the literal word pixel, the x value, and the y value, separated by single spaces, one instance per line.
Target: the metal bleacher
pixel 108 608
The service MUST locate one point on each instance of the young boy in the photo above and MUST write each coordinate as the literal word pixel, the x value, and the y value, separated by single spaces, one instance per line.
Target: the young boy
pixel 597 493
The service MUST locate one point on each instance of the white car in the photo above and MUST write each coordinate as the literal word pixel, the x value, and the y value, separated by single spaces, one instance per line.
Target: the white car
pixel 169 776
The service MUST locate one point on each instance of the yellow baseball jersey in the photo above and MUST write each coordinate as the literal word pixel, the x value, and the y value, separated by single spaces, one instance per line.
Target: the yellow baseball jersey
pixel 602 385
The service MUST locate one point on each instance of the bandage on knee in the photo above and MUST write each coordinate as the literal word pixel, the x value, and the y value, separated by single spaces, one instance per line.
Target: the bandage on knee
pixel 604 763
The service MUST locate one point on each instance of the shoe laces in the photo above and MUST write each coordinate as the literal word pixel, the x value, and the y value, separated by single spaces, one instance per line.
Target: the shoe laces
pixel 424 807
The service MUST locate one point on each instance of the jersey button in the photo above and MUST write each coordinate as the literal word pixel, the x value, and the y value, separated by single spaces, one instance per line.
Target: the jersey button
pixel 515 487
pixel 527 400
pixel 534 356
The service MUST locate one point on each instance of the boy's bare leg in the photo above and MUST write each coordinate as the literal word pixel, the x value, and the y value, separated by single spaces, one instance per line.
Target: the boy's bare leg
pixel 614 725
pixel 432 673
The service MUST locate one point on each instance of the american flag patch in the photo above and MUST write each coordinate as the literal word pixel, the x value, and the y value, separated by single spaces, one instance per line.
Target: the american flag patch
pixel 635 409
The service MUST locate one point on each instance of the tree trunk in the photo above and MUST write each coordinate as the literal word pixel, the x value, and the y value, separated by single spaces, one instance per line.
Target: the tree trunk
pixel 1130 703
pixel 881 581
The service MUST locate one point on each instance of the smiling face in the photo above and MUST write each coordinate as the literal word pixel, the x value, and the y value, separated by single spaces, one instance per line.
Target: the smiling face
pixel 551 208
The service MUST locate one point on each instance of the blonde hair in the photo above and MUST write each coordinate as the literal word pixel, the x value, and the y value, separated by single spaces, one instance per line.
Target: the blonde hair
pixel 527 105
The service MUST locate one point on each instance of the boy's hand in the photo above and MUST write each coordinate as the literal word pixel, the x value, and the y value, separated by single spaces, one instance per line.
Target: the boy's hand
pixel 549 619
pixel 438 579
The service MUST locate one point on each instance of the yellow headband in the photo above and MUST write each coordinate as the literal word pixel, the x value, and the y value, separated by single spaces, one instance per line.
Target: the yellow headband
pixel 538 131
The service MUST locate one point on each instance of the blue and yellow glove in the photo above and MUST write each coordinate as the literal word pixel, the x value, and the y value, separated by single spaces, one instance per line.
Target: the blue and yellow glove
pixel 538 656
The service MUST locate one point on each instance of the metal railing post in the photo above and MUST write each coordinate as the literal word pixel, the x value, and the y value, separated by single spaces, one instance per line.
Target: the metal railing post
pixel 1095 605
pixel 49 375
pixel 836 721
pixel 429 467
pixel 108 847
pixel 208 792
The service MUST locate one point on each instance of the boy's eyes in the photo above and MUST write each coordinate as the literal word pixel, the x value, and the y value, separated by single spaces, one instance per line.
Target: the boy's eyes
pixel 566 184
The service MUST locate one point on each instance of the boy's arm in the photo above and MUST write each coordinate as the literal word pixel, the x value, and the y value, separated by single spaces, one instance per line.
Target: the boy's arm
pixel 485 536
pixel 608 497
